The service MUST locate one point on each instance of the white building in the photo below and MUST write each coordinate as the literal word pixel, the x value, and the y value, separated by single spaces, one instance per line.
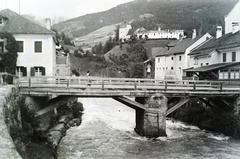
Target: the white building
pixel 123 31
pixel 36 44
pixel 171 63
pixel 160 34
pixel 217 59
pixel 232 19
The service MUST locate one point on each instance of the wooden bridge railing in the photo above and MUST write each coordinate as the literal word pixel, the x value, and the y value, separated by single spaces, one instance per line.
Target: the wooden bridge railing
pixel 125 84
pixel 7 78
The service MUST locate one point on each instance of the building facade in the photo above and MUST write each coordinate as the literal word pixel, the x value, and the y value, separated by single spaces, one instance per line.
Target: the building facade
pixel 36 44
pixel 232 19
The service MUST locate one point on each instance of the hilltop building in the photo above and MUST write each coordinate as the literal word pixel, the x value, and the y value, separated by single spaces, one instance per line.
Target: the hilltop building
pixel 159 34
pixel 123 31
pixel 36 44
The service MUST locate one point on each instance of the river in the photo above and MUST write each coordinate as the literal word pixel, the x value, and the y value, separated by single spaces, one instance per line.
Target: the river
pixel 107 132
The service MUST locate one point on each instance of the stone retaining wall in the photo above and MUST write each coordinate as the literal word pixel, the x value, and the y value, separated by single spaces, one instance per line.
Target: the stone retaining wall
pixel 9 118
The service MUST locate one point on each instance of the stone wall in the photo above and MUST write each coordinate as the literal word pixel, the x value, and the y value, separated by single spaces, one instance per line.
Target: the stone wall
pixel 10 121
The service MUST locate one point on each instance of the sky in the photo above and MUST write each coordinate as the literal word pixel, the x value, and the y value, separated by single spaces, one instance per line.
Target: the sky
pixel 59 8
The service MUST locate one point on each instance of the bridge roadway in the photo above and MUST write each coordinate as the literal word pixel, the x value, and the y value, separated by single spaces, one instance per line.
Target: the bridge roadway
pixel 114 87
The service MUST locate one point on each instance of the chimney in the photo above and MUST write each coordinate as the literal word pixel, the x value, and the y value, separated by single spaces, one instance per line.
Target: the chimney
pixel 159 28
pixel 194 33
pixel 235 27
pixel 218 32
pixel 48 23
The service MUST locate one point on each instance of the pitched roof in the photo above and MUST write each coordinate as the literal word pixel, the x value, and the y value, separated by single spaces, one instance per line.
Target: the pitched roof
pixel 226 41
pixel 212 67
pixel 16 24
pixel 181 46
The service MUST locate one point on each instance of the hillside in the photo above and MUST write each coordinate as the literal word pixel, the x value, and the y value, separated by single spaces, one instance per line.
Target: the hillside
pixel 95 37
pixel 203 15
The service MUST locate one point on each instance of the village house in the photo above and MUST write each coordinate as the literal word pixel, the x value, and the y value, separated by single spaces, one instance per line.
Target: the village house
pixel 36 44
pixel 123 31
pixel 171 62
pixel 218 59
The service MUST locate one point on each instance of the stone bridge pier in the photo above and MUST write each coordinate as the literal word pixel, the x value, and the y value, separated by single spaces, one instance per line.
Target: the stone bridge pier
pixel 151 122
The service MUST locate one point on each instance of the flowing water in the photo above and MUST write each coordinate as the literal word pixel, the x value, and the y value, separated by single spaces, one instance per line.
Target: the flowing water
pixel 107 131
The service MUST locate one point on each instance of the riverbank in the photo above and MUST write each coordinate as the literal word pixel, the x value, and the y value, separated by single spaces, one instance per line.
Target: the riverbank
pixel 41 144
pixel 213 119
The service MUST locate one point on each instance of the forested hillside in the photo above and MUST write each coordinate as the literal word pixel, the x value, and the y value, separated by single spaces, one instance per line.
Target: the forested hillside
pixel 203 15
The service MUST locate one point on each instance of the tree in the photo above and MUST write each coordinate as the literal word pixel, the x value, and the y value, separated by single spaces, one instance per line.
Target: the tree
pixel 117 33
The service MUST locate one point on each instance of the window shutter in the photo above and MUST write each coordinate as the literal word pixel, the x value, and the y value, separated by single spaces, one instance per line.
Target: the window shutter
pixel 32 73
pixel 24 71
pixel 43 71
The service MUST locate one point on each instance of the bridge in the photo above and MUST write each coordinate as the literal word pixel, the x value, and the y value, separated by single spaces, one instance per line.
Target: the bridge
pixel 154 99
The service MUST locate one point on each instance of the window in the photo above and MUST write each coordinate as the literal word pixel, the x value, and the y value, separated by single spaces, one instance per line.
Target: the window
pixel 234 74
pixel 224 57
pixel 223 74
pixel 21 71
pixel 159 59
pixel 171 68
pixel 1 21
pixel 195 61
pixel 180 70
pixel 201 64
pixel 37 71
pixel 207 63
pixel 180 58
pixel 233 56
pixel 1 47
pixel 38 46
pixel 20 46
pixel 172 58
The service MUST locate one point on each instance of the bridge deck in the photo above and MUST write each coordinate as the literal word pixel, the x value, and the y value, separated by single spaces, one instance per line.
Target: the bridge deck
pixel 110 87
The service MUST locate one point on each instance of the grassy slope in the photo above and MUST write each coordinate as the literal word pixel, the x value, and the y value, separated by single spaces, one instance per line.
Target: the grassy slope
pixel 82 65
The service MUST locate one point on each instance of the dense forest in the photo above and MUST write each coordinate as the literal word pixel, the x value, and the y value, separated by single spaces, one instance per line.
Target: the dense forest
pixel 202 15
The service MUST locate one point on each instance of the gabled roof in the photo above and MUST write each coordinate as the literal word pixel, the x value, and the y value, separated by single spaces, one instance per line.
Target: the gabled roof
pixel 224 42
pixel 16 24
pixel 212 67
pixel 181 47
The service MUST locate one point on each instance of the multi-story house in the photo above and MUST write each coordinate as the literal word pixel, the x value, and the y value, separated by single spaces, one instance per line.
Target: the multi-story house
pixel 217 59
pixel 36 44
pixel 232 19
pixel 171 63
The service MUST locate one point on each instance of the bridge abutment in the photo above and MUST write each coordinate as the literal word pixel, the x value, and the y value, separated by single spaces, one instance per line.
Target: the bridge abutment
pixel 237 106
pixel 152 122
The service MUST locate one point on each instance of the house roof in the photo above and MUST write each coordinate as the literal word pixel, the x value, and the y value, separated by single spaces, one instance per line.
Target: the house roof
pixel 226 41
pixel 16 24
pixel 180 47
pixel 212 67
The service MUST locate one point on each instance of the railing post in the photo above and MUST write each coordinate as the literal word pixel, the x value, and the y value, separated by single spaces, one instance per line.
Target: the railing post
pixel 194 85
pixel 165 82
pixel 221 86
pixel 102 84
pixel 135 84
pixel 67 82
pixel 29 82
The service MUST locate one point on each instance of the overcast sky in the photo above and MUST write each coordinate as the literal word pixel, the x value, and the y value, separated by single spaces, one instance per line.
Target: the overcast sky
pixel 63 8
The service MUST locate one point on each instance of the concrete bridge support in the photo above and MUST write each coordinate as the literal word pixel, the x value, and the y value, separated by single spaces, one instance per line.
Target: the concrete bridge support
pixel 151 122
pixel 237 106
